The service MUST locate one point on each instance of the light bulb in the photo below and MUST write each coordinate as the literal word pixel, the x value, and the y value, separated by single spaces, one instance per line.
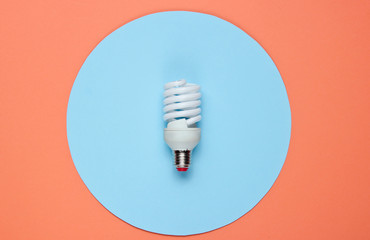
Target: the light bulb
pixel 182 112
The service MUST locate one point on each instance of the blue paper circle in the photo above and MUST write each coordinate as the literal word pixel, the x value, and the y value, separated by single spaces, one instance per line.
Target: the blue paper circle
pixel 115 126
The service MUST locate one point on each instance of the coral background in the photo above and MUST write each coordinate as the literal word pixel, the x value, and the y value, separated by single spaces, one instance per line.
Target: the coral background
pixel 322 51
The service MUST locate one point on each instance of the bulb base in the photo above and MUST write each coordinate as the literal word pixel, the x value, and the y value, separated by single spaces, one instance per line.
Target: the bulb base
pixel 182 160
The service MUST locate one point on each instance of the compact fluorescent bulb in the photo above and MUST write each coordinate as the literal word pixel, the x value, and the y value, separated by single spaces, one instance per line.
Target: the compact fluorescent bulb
pixel 182 112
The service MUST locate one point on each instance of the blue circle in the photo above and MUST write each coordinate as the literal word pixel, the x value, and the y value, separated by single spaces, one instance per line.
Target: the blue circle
pixel 115 125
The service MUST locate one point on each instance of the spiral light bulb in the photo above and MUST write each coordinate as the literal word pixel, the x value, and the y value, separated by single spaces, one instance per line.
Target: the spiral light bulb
pixel 182 112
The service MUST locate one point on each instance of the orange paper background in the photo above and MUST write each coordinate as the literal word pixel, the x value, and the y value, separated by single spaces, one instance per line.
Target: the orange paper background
pixel 321 49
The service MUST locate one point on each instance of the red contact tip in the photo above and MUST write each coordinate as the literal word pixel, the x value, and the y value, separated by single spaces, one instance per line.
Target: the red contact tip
pixel 182 169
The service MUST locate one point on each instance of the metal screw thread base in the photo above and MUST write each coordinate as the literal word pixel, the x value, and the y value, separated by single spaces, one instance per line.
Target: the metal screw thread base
pixel 182 158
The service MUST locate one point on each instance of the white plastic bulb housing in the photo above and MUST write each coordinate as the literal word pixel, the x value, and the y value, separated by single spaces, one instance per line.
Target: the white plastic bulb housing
pixel 179 136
